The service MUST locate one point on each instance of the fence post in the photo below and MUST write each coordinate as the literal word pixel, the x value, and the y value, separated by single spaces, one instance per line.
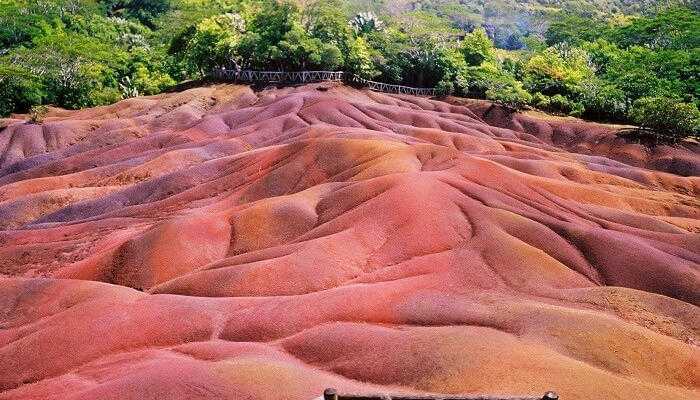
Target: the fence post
pixel 330 394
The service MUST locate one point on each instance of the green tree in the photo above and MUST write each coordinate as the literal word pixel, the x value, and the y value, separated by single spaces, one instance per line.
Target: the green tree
pixel 509 94
pixel 477 48
pixel 666 117
pixel 211 43
pixel 642 72
pixel 265 30
pixel 602 100
pixel 327 20
pixel 557 70
pixel 146 11
pixel 19 25
pixel 359 59
pixel 574 29
pixel 672 29
pixel 298 51
pixel 418 51
pixel 19 88
pixel 366 22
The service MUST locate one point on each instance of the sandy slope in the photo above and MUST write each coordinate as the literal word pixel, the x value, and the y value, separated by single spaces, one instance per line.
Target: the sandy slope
pixel 219 243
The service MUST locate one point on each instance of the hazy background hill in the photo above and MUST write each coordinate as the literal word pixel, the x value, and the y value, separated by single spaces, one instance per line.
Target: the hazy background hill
pixel 505 18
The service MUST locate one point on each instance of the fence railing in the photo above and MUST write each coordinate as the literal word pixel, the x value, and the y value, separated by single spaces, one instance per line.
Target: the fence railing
pixel 250 76
pixel 332 394
pixel 390 88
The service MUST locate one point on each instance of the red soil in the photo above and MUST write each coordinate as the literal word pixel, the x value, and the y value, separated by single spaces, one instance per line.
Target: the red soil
pixel 220 243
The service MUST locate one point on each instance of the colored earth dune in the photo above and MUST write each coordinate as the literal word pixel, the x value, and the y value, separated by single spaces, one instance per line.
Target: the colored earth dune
pixel 220 243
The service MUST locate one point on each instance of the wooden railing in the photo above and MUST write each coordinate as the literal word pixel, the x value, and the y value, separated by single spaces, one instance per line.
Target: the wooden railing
pixel 249 76
pixel 332 394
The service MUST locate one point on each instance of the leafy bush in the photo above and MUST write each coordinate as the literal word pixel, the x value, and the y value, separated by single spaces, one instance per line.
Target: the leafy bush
pixel 541 101
pixel 557 70
pixel 577 109
pixel 602 100
pixel 560 103
pixel 213 42
pixel 359 59
pixel 19 89
pixel 444 88
pixel 477 48
pixel 511 95
pixel 37 114
pixel 366 22
pixel 487 76
pixel 666 117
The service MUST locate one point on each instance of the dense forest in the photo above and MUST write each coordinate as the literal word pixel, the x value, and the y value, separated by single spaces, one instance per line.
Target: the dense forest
pixel 612 60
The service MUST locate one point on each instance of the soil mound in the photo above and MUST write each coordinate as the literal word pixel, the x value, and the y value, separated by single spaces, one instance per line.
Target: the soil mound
pixel 224 244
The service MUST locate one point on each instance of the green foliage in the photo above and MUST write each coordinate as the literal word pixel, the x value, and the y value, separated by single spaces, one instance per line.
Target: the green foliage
pixel 417 51
pixel 557 70
pixel 71 54
pixel 574 29
pixel 327 20
pixel 359 59
pixel 602 100
pixel 510 95
pixel 444 88
pixel 19 89
pixel 477 48
pixel 632 58
pixel 266 29
pixel 642 72
pixel 213 42
pixel 298 51
pixel 72 71
pixel 485 77
pixel 666 117
pixel 145 11
pixel 146 71
pixel 559 103
pixel 672 29
pixel 366 22
pixel 19 26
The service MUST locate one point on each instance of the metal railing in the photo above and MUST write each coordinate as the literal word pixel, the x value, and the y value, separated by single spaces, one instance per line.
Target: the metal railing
pixel 250 76
pixel 390 88
pixel 332 394
pixel 277 76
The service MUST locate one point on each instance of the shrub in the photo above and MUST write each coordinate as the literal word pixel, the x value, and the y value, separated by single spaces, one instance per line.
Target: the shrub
pixel 602 100
pixel 666 117
pixel 19 89
pixel 560 103
pixel 511 95
pixel 557 70
pixel 444 88
pixel 358 61
pixel 487 76
pixel 477 47
pixel 37 114
pixel 541 101
pixel 577 109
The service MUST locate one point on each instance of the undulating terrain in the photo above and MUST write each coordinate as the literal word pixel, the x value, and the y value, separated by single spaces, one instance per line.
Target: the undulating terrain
pixel 221 243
